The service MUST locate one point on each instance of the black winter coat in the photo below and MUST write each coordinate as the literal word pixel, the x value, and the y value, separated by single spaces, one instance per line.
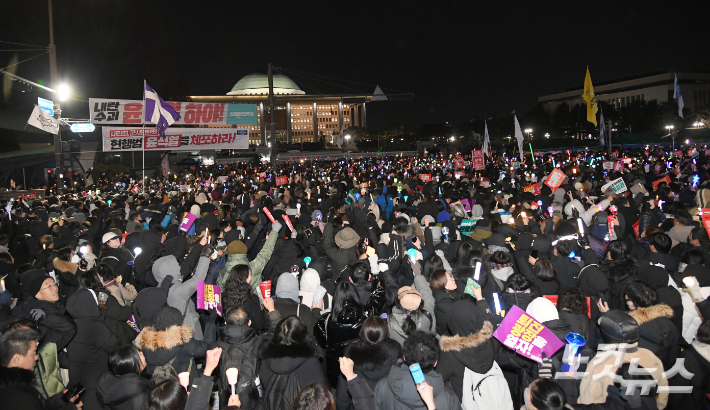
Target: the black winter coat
pixel 303 359
pixel 371 363
pixel 657 333
pixel 159 347
pixel 567 271
pixel 56 327
pixel 126 392
pixel 89 350
pixel 697 363
pixel 17 392
pixel 444 302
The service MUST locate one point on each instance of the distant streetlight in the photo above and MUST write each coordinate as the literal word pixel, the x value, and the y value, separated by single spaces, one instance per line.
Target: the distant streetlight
pixel 453 139
pixel 698 124
pixel 528 131
pixel 347 137
pixel 547 135
pixel 687 141
pixel 63 92
pixel 670 132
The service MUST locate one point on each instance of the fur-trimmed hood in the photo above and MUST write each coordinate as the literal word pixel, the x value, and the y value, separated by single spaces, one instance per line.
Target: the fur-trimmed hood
pixel 283 359
pixel 64 266
pixel 167 339
pixel 473 351
pixel 619 268
pixel 459 343
pixel 369 357
pixel 643 315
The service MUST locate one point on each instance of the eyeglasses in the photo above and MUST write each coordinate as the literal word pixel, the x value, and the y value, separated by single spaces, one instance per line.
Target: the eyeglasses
pixel 53 285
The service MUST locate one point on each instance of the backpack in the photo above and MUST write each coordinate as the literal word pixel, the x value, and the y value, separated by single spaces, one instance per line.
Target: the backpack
pixel 486 391
pixel 281 392
pixel 244 358
pixel 166 372
pixel 600 224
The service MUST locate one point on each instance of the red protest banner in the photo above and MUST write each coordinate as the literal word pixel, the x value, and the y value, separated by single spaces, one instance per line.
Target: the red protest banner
pixel 477 159
pixel 425 177
pixel 534 188
pixel 665 179
pixel 281 181
pixel 636 229
pixel 262 175
pixel 458 163
pixel 619 166
pixel 459 174
pixel 555 179
pixel 706 219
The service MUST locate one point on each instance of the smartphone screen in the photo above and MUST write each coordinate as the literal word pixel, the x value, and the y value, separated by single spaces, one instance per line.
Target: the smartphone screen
pixel 533 253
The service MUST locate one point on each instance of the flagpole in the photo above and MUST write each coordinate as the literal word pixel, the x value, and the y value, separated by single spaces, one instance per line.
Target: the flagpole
pixel 143 135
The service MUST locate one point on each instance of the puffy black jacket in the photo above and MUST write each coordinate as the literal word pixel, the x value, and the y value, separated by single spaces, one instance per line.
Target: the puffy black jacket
pixel 444 302
pixel 126 392
pixel 657 333
pixel 301 359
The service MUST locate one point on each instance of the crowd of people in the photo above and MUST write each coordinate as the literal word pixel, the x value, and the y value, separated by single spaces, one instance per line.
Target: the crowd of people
pixel 361 284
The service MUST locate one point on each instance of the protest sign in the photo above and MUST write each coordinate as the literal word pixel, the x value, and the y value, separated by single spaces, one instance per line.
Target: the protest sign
pixel 665 179
pixel 619 166
pixel 281 180
pixel 467 227
pixel 618 184
pixel 555 179
pixel 459 174
pixel 636 229
pixel 187 222
pixel 706 219
pixel 477 159
pixel 458 163
pixel 608 165
pixel 262 175
pixel 466 204
pixel 209 297
pixel 534 188
pixel 526 336
pixel 425 177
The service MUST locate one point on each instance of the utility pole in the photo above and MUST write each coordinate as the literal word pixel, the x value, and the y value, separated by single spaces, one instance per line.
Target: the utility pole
pixel 273 118
pixel 609 133
pixel 58 165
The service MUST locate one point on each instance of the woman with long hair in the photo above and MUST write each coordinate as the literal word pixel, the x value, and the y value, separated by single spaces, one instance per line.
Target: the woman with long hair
pixel 238 292
pixel 373 355
pixel 123 388
pixel 335 330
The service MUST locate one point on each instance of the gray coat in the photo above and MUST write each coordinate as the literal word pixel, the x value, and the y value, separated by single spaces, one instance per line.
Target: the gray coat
pixel 398 315
pixel 398 391
pixel 180 292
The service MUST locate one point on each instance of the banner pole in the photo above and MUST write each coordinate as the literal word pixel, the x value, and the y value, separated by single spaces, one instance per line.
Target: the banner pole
pixel 143 136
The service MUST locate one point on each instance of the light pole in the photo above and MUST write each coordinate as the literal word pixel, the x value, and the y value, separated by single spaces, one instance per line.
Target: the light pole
pixel 347 140
pixel 670 131
pixel 528 131
pixel 547 135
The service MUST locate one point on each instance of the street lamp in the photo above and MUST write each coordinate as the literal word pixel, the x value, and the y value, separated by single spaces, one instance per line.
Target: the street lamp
pixel 63 92
pixel 670 131
pixel 547 135
pixel 698 124
pixel 453 139
pixel 528 131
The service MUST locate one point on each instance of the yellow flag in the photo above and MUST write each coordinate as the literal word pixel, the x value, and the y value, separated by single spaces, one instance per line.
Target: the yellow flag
pixel 588 96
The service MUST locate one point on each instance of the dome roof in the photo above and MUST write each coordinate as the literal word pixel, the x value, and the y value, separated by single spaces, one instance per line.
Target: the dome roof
pixel 257 84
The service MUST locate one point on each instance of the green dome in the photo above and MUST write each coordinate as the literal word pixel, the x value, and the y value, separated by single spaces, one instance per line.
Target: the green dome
pixel 256 83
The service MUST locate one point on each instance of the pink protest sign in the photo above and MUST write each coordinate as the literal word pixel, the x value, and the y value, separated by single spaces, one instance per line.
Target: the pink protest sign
pixel 466 204
pixel 209 297
pixel 528 337
pixel 187 222
pixel 555 179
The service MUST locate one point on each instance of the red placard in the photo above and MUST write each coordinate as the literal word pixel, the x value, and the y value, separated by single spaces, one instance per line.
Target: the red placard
pixel 534 188
pixel 666 178
pixel 458 163
pixel 555 179
pixel 425 177
pixel 281 181
pixel 459 174
pixel 636 229
pixel 706 219
pixel 262 175
pixel 135 189
pixel 477 159
pixel 619 166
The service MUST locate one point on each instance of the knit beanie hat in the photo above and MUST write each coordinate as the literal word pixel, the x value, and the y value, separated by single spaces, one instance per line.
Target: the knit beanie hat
pixel 287 287
pixel 236 247
pixel 37 282
pixel 310 280
pixel 542 310
pixel 166 317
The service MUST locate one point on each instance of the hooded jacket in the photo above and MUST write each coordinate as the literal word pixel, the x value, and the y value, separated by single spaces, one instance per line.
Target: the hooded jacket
pixel 591 391
pixel 161 346
pixel 300 358
pixel 593 282
pixel 89 350
pixel 396 319
pixel 473 350
pixel 398 392
pixel 179 294
pixel 657 333
pixel 125 392
pixel 371 363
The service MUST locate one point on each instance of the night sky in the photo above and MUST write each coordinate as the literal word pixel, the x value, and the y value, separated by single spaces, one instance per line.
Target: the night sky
pixel 460 59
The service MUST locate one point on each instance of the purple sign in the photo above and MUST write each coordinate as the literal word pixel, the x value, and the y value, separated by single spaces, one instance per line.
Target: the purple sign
pixel 528 337
pixel 209 297
pixel 187 222
pixel 466 204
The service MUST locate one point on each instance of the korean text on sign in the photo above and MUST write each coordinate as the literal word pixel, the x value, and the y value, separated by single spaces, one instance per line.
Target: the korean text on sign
pixel 528 337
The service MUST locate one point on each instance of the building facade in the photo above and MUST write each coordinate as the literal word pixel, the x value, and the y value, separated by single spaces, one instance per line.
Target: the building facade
pixel 695 88
pixel 299 117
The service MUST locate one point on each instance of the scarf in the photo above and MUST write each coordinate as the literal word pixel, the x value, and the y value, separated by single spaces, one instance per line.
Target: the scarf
pixel 502 274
